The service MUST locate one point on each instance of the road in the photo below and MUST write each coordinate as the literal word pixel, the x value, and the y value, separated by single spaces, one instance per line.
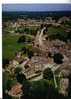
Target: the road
pixel 41 38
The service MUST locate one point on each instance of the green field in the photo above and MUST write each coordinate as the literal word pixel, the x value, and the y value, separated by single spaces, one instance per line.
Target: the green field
pixel 10 45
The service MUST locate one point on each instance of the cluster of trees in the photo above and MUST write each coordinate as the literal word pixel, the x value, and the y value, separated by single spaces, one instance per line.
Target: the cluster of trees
pixel 26 30
pixel 37 89
pixel 28 51
pixel 25 39
pixel 47 74
pixel 62 36
pixel 8 81
pixel 5 62
pixel 67 23
pixel 58 33
pixel 41 89
pixel 58 58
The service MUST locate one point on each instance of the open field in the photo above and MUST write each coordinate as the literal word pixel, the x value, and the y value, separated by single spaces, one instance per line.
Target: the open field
pixel 10 45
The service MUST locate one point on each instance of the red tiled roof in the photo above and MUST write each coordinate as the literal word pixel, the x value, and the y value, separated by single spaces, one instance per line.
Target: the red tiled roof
pixel 16 89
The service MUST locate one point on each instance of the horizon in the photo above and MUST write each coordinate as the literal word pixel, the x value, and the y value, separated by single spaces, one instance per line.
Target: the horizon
pixel 35 7
pixel 39 11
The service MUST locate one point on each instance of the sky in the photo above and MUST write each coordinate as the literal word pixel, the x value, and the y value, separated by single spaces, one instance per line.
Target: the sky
pixel 36 7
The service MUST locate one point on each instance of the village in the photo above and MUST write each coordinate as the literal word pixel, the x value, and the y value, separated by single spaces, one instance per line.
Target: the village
pixel 43 55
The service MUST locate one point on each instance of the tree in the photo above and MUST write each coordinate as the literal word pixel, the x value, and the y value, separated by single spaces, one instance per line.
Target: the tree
pixel 5 62
pixel 18 70
pixel 24 50
pixel 6 96
pixel 28 50
pixel 69 89
pixel 30 53
pixel 69 36
pixel 42 26
pixel 48 74
pixel 8 81
pixel 58 58
pixel 22 39
pixel 20 77
pixel 41 90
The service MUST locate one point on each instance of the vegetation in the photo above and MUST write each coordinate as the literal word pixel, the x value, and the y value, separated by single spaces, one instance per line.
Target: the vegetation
pixel 48 74
pixel 27 30
pixel 25 39
pixel 57 33
pixel 19 39
pixel 58 58
pixel 8 81
pixel 13 42
pixel 22 39
pixel 21 78
pixel 28 50
pixel 41 90
pixel 10 45
pixel 18 70
pixel 5 62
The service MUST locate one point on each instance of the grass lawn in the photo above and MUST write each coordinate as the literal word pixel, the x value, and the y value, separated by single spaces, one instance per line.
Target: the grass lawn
pixel 55 30
pixel 10 45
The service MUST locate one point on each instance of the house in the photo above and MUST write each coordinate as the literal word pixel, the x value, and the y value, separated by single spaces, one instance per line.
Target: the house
pixel 16 91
